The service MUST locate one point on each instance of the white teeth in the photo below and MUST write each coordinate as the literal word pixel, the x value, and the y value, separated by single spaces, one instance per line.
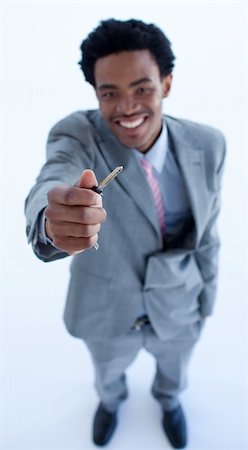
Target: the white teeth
pixel 134 124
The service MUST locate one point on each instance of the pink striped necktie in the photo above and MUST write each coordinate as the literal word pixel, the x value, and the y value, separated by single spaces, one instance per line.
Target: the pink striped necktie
pixel 158 200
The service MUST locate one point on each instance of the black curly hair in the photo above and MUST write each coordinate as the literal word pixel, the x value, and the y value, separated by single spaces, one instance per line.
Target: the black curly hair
pixel 114 36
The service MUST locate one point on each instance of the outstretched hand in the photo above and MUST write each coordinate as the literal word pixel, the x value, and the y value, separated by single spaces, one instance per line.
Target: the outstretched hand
pixel 74 215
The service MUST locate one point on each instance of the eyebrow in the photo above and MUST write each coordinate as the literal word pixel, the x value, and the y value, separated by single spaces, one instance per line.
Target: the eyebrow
pixel 132 84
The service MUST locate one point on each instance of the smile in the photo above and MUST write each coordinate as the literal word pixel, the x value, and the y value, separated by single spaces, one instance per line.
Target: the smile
pixel 131 124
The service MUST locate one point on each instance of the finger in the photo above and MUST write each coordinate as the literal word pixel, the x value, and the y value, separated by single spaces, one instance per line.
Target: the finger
pixel 67 229
pixel 72 195
pixel 74 245
pixel 87 179
pixel 75 214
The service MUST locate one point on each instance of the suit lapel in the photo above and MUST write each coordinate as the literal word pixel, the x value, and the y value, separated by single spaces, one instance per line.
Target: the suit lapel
pixel 132 179
pixel 190 157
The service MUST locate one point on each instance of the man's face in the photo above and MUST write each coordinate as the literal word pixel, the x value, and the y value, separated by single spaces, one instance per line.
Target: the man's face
pixel 130 93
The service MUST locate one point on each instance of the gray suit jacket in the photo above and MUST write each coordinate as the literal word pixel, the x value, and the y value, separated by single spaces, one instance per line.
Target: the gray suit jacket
pixel 177 286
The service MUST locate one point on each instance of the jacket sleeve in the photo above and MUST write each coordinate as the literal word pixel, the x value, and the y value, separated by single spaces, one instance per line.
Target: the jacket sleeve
pixel 66 159
pixel 207 254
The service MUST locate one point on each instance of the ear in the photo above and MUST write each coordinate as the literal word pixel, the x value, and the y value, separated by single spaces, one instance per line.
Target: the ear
pixel 167 82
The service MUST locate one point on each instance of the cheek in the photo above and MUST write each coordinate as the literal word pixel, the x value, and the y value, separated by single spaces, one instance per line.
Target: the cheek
pixel 105 109
pixel 156 107
pixel 156 102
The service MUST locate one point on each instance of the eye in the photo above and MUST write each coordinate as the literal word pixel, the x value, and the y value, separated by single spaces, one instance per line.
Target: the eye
pixel 108 95
pixel 143 90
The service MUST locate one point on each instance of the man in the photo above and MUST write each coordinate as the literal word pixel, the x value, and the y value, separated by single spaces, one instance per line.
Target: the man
pixel 152 281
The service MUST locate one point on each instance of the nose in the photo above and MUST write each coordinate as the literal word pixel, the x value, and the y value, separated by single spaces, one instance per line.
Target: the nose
pixel 126 105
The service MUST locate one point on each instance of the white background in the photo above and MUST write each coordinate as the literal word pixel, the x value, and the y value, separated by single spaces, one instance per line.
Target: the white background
pixel 48 398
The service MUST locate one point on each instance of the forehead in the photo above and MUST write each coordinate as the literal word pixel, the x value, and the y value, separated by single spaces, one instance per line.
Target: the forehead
pixel 125 67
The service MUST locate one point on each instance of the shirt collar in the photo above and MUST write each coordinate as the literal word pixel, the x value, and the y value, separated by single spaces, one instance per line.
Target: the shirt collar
pixel 157 153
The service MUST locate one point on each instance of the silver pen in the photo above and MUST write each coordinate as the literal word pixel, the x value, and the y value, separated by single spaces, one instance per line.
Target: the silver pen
pixel 99 189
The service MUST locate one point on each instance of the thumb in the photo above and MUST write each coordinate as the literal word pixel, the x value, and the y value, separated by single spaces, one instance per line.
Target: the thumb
pixel 87 180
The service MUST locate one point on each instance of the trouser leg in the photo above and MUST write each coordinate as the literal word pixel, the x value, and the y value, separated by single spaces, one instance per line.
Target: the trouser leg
pixel 111 358
pixel 172 359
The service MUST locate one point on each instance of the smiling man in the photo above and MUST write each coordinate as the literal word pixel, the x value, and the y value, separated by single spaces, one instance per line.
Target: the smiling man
pixel 130 91
pixel 152 282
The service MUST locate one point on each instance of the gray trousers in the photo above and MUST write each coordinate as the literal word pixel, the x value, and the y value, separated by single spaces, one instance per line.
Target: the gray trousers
pixel 111 359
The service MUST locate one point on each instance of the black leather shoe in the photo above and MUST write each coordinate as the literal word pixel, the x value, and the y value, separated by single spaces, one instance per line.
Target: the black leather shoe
pixel 104 426
pixel 174 425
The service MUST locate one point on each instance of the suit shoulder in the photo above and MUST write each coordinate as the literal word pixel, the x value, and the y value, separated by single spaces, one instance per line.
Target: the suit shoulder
pixel 74 125
pixel 74 136
pixel 198 131
pixel 198 135
pixel 196 128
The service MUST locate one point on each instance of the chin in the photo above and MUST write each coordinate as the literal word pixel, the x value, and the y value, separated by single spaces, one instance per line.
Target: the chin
pixel 131 143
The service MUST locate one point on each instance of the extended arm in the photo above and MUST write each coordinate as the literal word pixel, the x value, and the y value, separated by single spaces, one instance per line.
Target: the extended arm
pixel 71 222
